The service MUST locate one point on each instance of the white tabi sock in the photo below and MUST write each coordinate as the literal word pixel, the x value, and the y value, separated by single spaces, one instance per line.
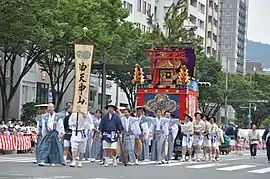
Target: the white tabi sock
pixel 65 157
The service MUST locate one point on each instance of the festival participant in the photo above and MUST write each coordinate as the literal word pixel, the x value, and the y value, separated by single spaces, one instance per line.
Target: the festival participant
pixel 159 129
pixel 220 140
pixel 42 111
pixel 131 131
pixel 97 151
pixel 187 129
pixel 254 139
pixel 240 141
pixel 213 132
pixel 67 134
pixel 50 148
pixel 206 139
pixel 199 127
pixel 144 123
pixel 79 125
pixel 110 128
pixel 173 130
pixel 232 133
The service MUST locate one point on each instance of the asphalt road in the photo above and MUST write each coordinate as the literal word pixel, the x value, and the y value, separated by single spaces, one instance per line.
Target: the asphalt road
pixel 231 167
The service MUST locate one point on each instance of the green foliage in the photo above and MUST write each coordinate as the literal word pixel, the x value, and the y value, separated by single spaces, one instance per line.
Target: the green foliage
pixel 175 30
pixel 255 87
pixel 26 30
pixel 106 32
pixel 28 112
pixel 133 46
pixel 212 97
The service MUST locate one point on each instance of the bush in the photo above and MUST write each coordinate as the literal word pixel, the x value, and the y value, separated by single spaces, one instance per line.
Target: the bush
pixel 28 112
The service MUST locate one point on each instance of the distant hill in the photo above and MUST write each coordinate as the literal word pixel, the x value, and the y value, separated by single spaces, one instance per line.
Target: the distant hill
pixel 258 51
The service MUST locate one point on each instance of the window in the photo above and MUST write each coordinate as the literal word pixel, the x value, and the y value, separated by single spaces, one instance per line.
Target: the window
pixel 144 7
pixel 149 9
pixel 208 50
pixel 193 19
pixel 24 94
pixel 201 24
pixel 42 93
pixel 138 25
pixel 92 95
pixel 123 105
pixel 211 3
pixel 210 19
pixel 166 9
pixel 155 12
pixel 228 22
pixel 143 28
pixel 202 8
pixel 139 5
pixel 129 8
pixel 209 34
pixel 229 5
pixel 193 3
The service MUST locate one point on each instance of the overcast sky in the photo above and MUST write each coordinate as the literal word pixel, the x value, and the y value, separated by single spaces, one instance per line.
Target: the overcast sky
pixel 259 21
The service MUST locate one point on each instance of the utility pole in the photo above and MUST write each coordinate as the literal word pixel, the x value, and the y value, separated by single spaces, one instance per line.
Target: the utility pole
pixel 104 73
pixel 250 104
pixel 226 89
pixel 117 95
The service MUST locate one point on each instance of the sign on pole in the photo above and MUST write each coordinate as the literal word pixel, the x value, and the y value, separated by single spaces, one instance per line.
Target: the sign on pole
pixel 83 62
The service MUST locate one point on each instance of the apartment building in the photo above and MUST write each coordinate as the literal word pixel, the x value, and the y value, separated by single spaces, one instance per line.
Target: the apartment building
pixel 212 30
pixel 233 33
pixel 204 15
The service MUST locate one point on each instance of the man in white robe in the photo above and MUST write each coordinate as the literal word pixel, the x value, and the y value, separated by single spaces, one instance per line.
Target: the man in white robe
pixel 79 125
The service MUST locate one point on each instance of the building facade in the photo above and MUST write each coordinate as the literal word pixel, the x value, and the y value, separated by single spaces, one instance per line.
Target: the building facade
pixel 212 30
pixel 203 14
pixel 233 33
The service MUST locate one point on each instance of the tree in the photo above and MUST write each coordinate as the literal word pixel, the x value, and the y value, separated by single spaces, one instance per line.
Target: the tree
pixel 255 87
pixel 28 112
pixel 24 37
pixel 211 97
pixel 133 47
pixel 175 30
pixel 101 18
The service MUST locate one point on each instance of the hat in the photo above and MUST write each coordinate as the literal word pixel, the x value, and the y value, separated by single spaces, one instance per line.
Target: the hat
pixel 11 126
pixel 141 107
pixel 4 126
pixel 212 117
pixel 17 127
pixel 111 105
pixel 199 112
pixel 188 116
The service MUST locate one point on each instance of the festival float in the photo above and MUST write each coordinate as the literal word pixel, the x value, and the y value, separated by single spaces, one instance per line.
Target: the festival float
pixel 170 84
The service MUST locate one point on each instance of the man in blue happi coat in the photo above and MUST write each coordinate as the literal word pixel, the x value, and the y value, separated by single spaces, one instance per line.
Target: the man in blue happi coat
pixel 50 148
pixel 110 127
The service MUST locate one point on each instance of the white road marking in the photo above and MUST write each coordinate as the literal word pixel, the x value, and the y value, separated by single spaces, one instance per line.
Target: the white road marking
pixel 176 164
pixel 60 177
pixel 205 165
pixel 233 159
pixel 263 170
pixel 236 167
